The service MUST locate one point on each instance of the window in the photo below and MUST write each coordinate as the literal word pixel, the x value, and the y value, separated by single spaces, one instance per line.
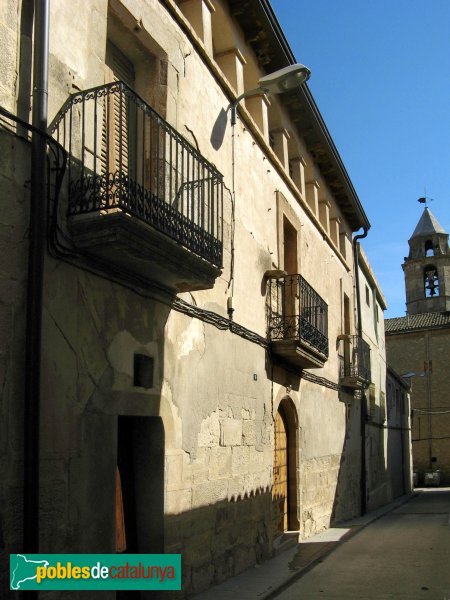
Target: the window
pixel 272 141
pixel 367 296
pixel 291 170
pixel 143 371
pixel 429 250
pixel 290 247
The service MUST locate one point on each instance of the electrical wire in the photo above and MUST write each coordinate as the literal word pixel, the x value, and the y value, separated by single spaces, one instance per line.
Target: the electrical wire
pixel 431 412
pixel 233 211
pixel 60 246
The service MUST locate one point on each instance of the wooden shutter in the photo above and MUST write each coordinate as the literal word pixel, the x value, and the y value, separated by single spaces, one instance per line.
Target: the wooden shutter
pixel 115 152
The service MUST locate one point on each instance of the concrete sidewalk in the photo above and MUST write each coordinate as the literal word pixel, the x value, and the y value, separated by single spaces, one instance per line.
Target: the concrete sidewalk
pixel 264 581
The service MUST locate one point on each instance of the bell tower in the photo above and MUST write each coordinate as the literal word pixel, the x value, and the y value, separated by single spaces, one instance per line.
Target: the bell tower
pixel 427 268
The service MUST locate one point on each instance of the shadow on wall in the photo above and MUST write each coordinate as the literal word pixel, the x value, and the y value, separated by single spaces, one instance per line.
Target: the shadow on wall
pixel 347 500
pixel 219 129
pixel 220 540
pixel 398 444
pixel 387 461
pixel 398 462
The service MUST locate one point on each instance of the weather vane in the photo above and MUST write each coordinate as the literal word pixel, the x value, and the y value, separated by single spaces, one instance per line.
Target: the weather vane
pixel 425 199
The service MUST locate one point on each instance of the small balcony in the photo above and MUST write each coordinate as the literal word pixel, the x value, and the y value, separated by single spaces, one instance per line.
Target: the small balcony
pixel 297 322
pixel 141 199
pixel 354 362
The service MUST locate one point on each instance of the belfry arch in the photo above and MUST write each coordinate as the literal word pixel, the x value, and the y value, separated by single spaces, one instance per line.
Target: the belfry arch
pixel 431 281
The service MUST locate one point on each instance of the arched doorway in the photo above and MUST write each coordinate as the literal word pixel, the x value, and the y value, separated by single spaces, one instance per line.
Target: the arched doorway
pixel 284 488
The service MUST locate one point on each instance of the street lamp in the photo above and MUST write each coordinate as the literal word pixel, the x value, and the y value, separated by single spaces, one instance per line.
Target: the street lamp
pixel 280 81
pixel 408 375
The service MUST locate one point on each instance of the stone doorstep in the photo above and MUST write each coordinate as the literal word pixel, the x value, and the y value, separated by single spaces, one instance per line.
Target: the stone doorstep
pixel 266 581
pixel 284 542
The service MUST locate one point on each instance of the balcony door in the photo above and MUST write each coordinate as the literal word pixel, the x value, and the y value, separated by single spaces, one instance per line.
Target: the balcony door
pixel 347 330
pixel 117 154
pixel 291 291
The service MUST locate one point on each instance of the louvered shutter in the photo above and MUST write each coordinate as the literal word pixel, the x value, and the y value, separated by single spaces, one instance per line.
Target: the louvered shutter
pixel 116 135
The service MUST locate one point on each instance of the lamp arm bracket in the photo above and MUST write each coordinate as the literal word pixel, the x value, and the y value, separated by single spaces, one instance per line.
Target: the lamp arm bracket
pixel 233 106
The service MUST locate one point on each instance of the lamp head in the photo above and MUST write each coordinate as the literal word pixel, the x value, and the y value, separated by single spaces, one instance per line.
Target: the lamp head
pixel 284 79
pixel 281 81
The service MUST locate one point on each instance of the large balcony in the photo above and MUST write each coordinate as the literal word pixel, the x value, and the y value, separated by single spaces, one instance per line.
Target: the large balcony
pixel 297 322
pixel 140 197
pixel 354 362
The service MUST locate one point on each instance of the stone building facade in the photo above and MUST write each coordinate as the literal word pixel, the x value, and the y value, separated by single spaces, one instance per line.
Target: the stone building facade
pixel 385 423
pixel 373 304
pixel 419 344
pixel 198 287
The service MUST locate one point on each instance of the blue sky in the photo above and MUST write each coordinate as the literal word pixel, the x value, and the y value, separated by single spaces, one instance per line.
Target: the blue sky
pixel 381 79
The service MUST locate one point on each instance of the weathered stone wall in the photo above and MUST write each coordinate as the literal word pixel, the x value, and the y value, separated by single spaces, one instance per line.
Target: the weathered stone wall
pixel 14 210
pixel 216 393
pixel 378 483
pixel 9 45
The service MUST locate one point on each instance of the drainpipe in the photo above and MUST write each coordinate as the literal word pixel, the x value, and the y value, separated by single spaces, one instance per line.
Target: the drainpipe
pixel 363 478
pixel 36 251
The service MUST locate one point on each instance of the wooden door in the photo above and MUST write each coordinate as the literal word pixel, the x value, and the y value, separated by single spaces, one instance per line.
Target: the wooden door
pixel 121 540
pixel 290 291
pixel 280 477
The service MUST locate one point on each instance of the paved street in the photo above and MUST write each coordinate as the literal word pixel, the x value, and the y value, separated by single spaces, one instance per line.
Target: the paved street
pixel 403 555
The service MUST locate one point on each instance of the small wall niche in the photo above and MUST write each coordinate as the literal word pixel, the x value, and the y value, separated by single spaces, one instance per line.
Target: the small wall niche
pixel 143 367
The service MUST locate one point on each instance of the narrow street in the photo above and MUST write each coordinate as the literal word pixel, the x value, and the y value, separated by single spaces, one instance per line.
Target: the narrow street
pixel 403 555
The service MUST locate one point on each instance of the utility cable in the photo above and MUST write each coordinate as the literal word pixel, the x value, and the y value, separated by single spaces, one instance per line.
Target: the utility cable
pixel 60 246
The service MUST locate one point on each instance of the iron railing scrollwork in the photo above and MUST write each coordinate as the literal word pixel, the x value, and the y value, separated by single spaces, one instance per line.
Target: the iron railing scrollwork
pixel 297 312
pixel 124 155
pixel 355 362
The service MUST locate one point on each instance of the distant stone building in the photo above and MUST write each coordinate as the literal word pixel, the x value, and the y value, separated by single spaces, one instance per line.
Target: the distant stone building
pixel 386 429
pixel 419 344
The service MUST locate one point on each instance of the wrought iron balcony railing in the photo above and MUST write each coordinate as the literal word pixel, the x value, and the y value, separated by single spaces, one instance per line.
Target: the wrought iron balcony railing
pixel 355 362
pixel 297 312
pixel 125 156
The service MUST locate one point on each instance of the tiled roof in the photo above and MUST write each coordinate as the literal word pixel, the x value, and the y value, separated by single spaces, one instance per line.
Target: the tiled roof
pixel 427 225
pixel 420 321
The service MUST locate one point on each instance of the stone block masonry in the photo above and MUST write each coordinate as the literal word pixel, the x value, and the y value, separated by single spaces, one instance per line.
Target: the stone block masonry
pixel 218 501
pixel 319 477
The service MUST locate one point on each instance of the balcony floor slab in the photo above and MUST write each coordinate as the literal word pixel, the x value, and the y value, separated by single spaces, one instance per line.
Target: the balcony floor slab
pixel 129 244
pixel 299 354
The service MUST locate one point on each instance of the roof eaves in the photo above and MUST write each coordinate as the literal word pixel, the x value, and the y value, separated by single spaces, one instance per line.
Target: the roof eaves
pixel 286 56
